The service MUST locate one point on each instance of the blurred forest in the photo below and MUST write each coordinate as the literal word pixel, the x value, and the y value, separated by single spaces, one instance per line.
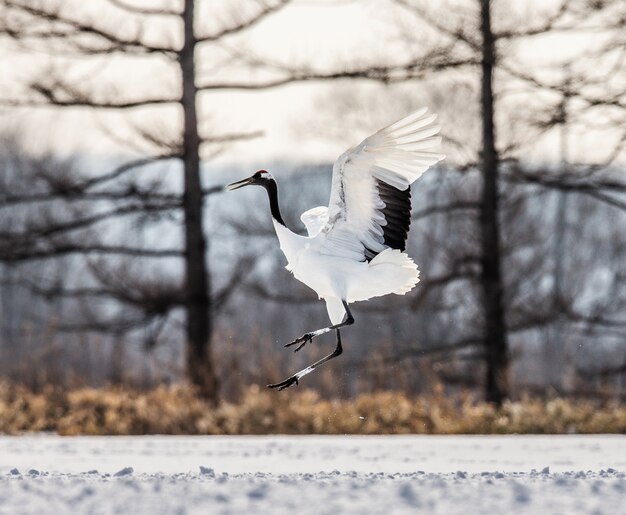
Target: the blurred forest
pixel 133 266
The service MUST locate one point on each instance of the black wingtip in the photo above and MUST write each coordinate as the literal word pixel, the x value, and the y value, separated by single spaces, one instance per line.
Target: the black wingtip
pixel 397 213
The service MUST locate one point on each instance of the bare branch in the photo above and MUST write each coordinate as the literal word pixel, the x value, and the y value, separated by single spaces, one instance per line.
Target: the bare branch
pixel 567 182
pixel 602 372
pixel 125 168
pixel 260 290
pixel 76 189
pixel 24 255
pixel 444 348
pixel 132 191
pixel 458 33
pixel 33 233
pixel 113 326
pixel 50 95
pixel 134 9
pixel 461 205
pixel 158 137
pixel 207 192
pixel 596 188
pixel 608 199
pixel 594 319
pixel 231 138
pixel 245 24
pixel 156 296
pixel 71 27
pixel 431 283
pixel 54 291
pixel 590 100
pixel 548 24
pixel 387 74
pixel 242 269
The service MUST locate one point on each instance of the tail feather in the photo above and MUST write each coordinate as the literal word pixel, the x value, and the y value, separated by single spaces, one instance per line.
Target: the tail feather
pixel 391 271
pixel 400 266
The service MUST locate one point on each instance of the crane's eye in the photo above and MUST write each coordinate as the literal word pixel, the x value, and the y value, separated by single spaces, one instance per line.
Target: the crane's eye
pixel 261 175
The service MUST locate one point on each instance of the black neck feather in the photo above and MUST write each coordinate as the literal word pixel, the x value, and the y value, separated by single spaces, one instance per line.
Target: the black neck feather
pixel 272 193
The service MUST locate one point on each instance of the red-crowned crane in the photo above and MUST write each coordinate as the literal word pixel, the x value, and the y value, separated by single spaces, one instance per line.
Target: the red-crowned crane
pixel 355 247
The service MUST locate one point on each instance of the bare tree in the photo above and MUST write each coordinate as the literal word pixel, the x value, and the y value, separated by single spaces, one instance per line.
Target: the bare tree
pixel 481 45
pixel 491 280
pixel 85 34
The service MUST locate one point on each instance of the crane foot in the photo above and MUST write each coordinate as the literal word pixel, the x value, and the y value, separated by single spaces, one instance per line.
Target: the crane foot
pixel 285 384
pixel 303 340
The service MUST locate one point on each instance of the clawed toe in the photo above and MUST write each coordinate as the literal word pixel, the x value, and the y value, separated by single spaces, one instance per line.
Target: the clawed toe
pixel 301 345
pixel 303 340
pixel 284 384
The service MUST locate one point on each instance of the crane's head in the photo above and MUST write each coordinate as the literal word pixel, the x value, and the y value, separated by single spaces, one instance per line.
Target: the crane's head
pixel 260 178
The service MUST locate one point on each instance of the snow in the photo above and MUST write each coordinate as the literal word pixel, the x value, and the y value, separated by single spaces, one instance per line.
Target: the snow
pixel 313 474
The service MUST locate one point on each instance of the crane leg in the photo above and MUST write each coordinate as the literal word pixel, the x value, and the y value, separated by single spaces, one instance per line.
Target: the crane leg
pixel 294 379
pixel 308 337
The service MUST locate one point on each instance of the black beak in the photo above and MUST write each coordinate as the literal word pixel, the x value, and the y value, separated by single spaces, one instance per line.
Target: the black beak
pixel 239 184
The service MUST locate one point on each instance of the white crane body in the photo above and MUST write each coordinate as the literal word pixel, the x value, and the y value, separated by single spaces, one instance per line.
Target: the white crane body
pixel 354 250
pixel 337 278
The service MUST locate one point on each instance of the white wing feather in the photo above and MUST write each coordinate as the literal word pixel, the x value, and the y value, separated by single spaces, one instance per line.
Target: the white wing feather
pixel 396 155
pixel 315 220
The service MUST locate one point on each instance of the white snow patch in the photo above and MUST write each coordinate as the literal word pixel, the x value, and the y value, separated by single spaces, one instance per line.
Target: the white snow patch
pixel 313 474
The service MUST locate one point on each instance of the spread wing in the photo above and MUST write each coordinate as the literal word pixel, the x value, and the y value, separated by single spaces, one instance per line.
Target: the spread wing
pixel 315 220
pixel 370 200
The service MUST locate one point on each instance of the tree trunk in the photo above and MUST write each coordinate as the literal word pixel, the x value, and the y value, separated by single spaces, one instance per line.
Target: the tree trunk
pixel 200 368
pixel 497 362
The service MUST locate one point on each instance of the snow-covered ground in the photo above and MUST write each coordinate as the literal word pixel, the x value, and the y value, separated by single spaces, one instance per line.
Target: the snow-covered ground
pixel 313 474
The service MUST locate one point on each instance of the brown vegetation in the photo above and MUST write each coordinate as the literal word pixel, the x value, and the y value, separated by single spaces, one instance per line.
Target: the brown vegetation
pixel 178 410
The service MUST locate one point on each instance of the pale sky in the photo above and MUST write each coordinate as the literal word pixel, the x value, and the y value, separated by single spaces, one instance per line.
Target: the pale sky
pixel 312 121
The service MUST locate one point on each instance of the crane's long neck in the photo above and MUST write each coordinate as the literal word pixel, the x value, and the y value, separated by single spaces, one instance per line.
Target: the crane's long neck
pixel 272 193
pixel 290 242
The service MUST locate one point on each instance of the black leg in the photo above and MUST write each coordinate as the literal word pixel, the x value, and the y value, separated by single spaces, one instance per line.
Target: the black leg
pixel 308 337
pixel 294 379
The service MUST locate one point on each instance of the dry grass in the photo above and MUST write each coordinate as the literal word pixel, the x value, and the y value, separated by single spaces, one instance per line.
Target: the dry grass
pixel 177 410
